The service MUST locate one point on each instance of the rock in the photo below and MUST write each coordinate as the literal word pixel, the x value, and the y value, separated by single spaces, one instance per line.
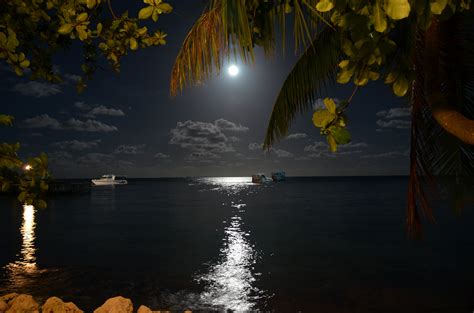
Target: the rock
pixel 56 305
pixel 9 297
pixel 144 309
pixel 23 304
pixel 3 306
pixel 116 305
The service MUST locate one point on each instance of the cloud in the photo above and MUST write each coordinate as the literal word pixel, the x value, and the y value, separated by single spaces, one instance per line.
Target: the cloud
pixel 205 140
pixel 41 121
pixel 81 105
pixel 317 146
pixel 321 149
pixel 160 155
pixel 230 126
pixel 45 121
pixel 60 158
pixel 37 89
pixel 94 110
pixel 130 149
pixel 95 159
pixel 394 113
pixel 88 126
pixel 399 124
pixel 255 146
pixel 393 118
pixel 296 136
pixel 72 77
pixel 387 155
pixel 76 144
pixel 102 110
pixel 282 153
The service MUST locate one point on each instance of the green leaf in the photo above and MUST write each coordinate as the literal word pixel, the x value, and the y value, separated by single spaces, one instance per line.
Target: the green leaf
pixel 380 21
pixel 330 105
pixel 82 17
pixel 65 29
pixel 341 135
pixel 324 5
pixel 22 196
pixel 321 118
pixel 6 120
pixel 40 204
pixel 397 9
pixel 400 86
pixel 437 6
pixel 91 4
pixel 5 186
pixel 145 13
pixel 133 44
pixel 344 77
pixel 332 143
pixel 164 8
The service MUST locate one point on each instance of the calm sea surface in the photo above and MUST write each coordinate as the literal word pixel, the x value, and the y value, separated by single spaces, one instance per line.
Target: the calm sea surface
pixel 310 244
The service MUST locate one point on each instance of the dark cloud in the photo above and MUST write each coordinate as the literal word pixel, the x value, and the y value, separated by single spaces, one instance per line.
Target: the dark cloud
pixel 321 149
pixel 45 121
pixel 282 153
pixel 230 126
pixel 94 110
pixel 41 121
pixel 255 146
pixel 102 110
pixel 88 126
pixel 37 89
pixel 394 113
pixel 393 118
pixel 387 155
pixel 130 149
pixel 205 140
pixel 95 159
pixel 296 136
pixel 317 146
pixel 76 144
pixel 160 155
pixel 399 124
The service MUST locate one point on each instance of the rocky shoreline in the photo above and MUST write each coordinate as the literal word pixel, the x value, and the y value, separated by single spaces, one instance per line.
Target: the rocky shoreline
pixel 22 303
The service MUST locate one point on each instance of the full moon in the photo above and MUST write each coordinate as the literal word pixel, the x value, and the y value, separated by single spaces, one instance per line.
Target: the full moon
pixel 233 70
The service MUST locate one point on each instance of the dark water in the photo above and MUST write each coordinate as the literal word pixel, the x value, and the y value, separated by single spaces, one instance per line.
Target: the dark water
pixel 310 244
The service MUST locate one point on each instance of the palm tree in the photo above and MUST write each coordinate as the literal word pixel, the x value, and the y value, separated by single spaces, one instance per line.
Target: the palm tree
pixel 425 51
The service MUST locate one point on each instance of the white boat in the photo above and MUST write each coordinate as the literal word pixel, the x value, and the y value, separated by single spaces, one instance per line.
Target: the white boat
pixel 260 179
pixel 107 180
pixel 279 176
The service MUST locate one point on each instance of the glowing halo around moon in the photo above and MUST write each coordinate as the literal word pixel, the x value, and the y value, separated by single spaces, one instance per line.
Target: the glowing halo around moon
pixel 233 70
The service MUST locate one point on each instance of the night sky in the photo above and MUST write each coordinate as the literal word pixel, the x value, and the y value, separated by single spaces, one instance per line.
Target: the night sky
pixel 128 124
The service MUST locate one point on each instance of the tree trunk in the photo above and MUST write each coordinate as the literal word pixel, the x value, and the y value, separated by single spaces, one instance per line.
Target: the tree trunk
pixel 450 119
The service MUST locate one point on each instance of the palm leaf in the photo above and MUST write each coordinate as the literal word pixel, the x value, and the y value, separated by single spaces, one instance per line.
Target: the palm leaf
pixel 232 28
pixel 309 78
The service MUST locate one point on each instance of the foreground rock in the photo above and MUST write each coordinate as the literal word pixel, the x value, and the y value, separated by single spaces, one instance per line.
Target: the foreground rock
pixel 116 305
pixel 144 309
pixel 19 303
pixel 56 305
pixel 22 304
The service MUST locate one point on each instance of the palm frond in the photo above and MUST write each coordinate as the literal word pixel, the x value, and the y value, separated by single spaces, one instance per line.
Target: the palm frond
pixel 232 28
pixel 314 71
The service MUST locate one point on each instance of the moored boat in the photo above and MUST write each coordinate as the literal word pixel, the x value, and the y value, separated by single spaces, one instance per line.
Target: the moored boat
pixel 278 176
pixel 107 180
pixel 260 179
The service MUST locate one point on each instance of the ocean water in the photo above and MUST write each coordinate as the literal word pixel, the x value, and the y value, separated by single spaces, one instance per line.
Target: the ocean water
pixel 307 244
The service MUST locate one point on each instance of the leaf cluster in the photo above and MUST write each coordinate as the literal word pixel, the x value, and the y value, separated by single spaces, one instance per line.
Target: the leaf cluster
pixel 32 31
